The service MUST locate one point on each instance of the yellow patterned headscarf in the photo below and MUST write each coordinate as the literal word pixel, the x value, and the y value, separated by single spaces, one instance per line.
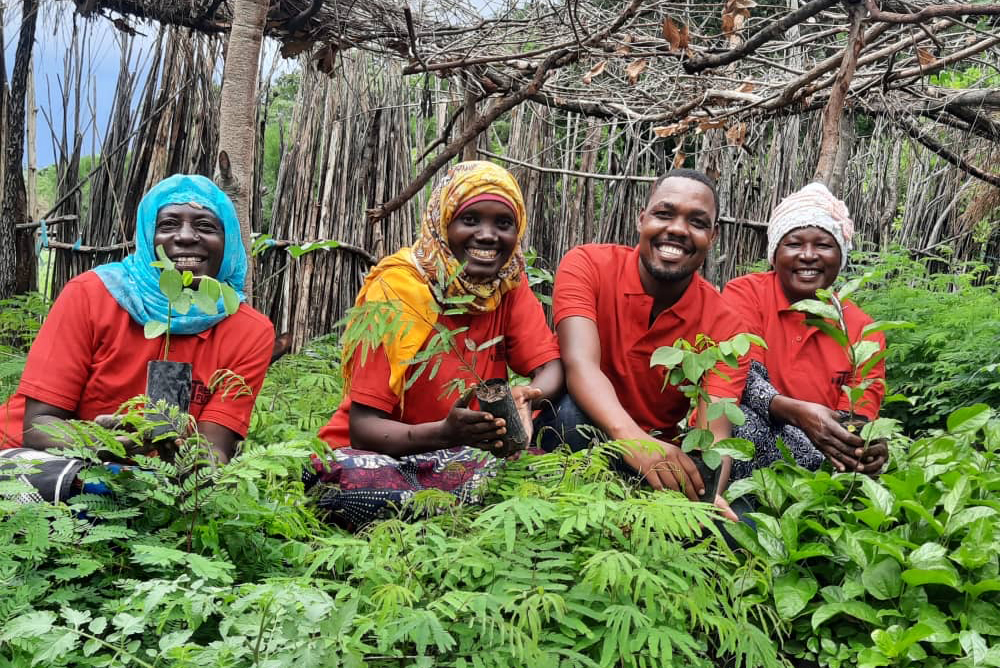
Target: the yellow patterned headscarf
pixel 463 182
pixel 403 277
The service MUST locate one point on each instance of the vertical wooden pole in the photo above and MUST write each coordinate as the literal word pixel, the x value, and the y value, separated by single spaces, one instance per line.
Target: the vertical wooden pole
pixel 238 114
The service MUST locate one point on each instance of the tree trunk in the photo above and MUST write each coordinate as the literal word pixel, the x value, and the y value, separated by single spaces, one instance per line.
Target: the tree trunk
pixel 14 205
pixel 834 109
pixel 238 114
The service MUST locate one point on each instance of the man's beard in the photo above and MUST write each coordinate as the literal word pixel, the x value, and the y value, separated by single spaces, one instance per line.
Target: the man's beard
pixel 667 275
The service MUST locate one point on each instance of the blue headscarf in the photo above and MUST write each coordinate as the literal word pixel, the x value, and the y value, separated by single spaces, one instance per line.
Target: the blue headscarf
pixel 135 284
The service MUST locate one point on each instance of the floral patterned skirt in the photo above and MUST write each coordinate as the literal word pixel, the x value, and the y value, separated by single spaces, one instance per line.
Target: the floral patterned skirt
pixel 354 487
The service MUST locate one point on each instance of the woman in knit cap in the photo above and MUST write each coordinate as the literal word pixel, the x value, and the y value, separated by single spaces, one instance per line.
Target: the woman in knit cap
pixel 794 390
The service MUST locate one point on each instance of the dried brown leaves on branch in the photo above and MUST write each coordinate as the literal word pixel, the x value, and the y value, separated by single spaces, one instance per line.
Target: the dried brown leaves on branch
pixel 681 66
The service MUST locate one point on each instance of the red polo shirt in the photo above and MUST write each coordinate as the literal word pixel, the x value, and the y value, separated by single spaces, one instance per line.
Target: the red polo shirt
pixel 601 283
pixel 90 357
pixel 526 345
pixel 803 363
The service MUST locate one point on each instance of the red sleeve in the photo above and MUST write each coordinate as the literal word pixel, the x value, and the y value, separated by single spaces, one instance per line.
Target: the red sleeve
pixel 251 355
pixel 727 323
pixel 59 362
pixel 575 291
pixel 741 296
pixel 529 341
pixel 871 401
pixel 370 381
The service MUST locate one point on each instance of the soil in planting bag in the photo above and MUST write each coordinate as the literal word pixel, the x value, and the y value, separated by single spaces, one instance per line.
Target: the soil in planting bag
pixel 170 382
pixel 495 398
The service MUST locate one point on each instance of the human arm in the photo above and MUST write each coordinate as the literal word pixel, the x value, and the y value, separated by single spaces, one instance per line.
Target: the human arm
pixel 546 382
pixel 375 430
pixel 846 451
pixel 580 343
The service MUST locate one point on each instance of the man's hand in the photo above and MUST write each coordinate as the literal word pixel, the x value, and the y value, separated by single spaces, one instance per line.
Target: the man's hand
pixel 672 469
pixel 524 396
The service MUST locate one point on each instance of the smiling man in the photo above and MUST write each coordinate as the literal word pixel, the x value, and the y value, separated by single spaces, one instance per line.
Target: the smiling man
pixel 615 305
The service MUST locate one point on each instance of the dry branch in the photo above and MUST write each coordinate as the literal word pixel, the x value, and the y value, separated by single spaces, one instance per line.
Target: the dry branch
pixel 914 131
pixel 931 12
pixel 834 111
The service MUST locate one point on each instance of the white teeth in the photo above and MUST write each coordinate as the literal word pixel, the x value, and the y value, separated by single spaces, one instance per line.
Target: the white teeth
pixel 481 254
pixel 808 272
pixel 669 252
pixel 186 260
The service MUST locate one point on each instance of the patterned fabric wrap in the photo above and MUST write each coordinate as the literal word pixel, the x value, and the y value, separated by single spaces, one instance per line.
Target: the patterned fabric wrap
pixel 49 476
pixel 356 487
pixel 463 182
pixel 761 429
pixel 813 206
pixel 135 284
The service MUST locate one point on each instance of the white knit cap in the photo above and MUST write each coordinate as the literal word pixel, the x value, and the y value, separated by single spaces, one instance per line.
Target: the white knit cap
pixel 813 206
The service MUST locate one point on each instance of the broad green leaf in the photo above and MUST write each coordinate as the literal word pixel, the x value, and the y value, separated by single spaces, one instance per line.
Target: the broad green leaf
pixel 712 458
pixel 816 307
pixel 984 618
pixel 834 332
pixel 487 344
pixel 206 304
pixel 879 495
pixel 969 418
pixel 923 576
pixel 895 641
pixel 965 517
pixel 171 284
pixel 929 555
pixel 881 579
pixel 862 351
pixel 975 590
pixel 715 410
pixel 885 325
pixel 153 329
pixel 697 439
pixel 734 413
pixel 856 609
pixel 974 645
pixel 667 356
pixel 793 592
pixel 230 299
pixel 183 303
pixel 851 286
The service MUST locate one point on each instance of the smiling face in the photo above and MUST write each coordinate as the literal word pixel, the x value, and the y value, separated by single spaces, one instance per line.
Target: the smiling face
pixel 192 237
pixel 805 260
pixel 676 229
pixel 483 235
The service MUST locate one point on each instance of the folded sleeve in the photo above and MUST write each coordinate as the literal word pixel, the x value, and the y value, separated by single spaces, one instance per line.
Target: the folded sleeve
pixel 530 343
pixel 575 291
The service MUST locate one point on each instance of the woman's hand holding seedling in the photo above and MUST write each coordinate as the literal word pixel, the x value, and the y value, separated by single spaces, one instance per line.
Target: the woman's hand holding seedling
pixel 846 451
pixel 464 426
pixel 139 444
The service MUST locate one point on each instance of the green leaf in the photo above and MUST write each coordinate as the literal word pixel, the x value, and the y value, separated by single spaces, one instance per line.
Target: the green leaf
pixel 929 555
pixel 850 287
pixel 206 304
pixel 832 331
pixel 969 418
pixel 230 299
pixel 984 618
pixel 793 592
pixel 923 576
pixel 856 609
pixel 697 439
pixel 492 342
pixel 879 495
pixel 183 303
pixel 862 351
pixel 734 413
pixel 881 579
pixel 817 308
pixel 884 326
pixel 171 284
pixel 153 329
pixel 28 625
pixel 965 517
pixel 737 448
pixel 712 458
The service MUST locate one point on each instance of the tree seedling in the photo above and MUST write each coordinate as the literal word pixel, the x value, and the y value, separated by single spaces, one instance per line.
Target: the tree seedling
pixel 176 287
pixel 687 366
pixel 862 353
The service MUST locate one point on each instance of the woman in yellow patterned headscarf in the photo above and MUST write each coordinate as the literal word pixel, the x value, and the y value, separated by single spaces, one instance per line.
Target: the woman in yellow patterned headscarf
pixel 401 425
pixel 403 279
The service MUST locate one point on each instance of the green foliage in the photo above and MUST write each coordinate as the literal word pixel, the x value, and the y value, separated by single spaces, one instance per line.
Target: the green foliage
pixel 687 366
pixel 176 287
pixel 950 359
pixel 186 565
pixel 20 318
pixel 280 106
pixel 862 354
pixel 896 571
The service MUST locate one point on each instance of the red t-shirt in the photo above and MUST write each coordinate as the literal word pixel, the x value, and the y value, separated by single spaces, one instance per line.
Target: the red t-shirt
pixel 601 283
pixel 527 344
pixel 90 357
pixel 803 362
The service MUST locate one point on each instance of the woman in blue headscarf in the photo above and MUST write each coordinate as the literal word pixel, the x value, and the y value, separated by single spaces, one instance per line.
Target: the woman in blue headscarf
pixel 90 355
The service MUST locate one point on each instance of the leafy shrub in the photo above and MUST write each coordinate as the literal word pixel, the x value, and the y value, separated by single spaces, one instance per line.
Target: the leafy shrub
pixel 950 359
pixel 899 571
pixel 20 318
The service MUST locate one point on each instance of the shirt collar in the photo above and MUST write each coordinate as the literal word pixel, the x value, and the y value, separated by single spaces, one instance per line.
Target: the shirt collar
pixel 687 305
pixel 631 282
